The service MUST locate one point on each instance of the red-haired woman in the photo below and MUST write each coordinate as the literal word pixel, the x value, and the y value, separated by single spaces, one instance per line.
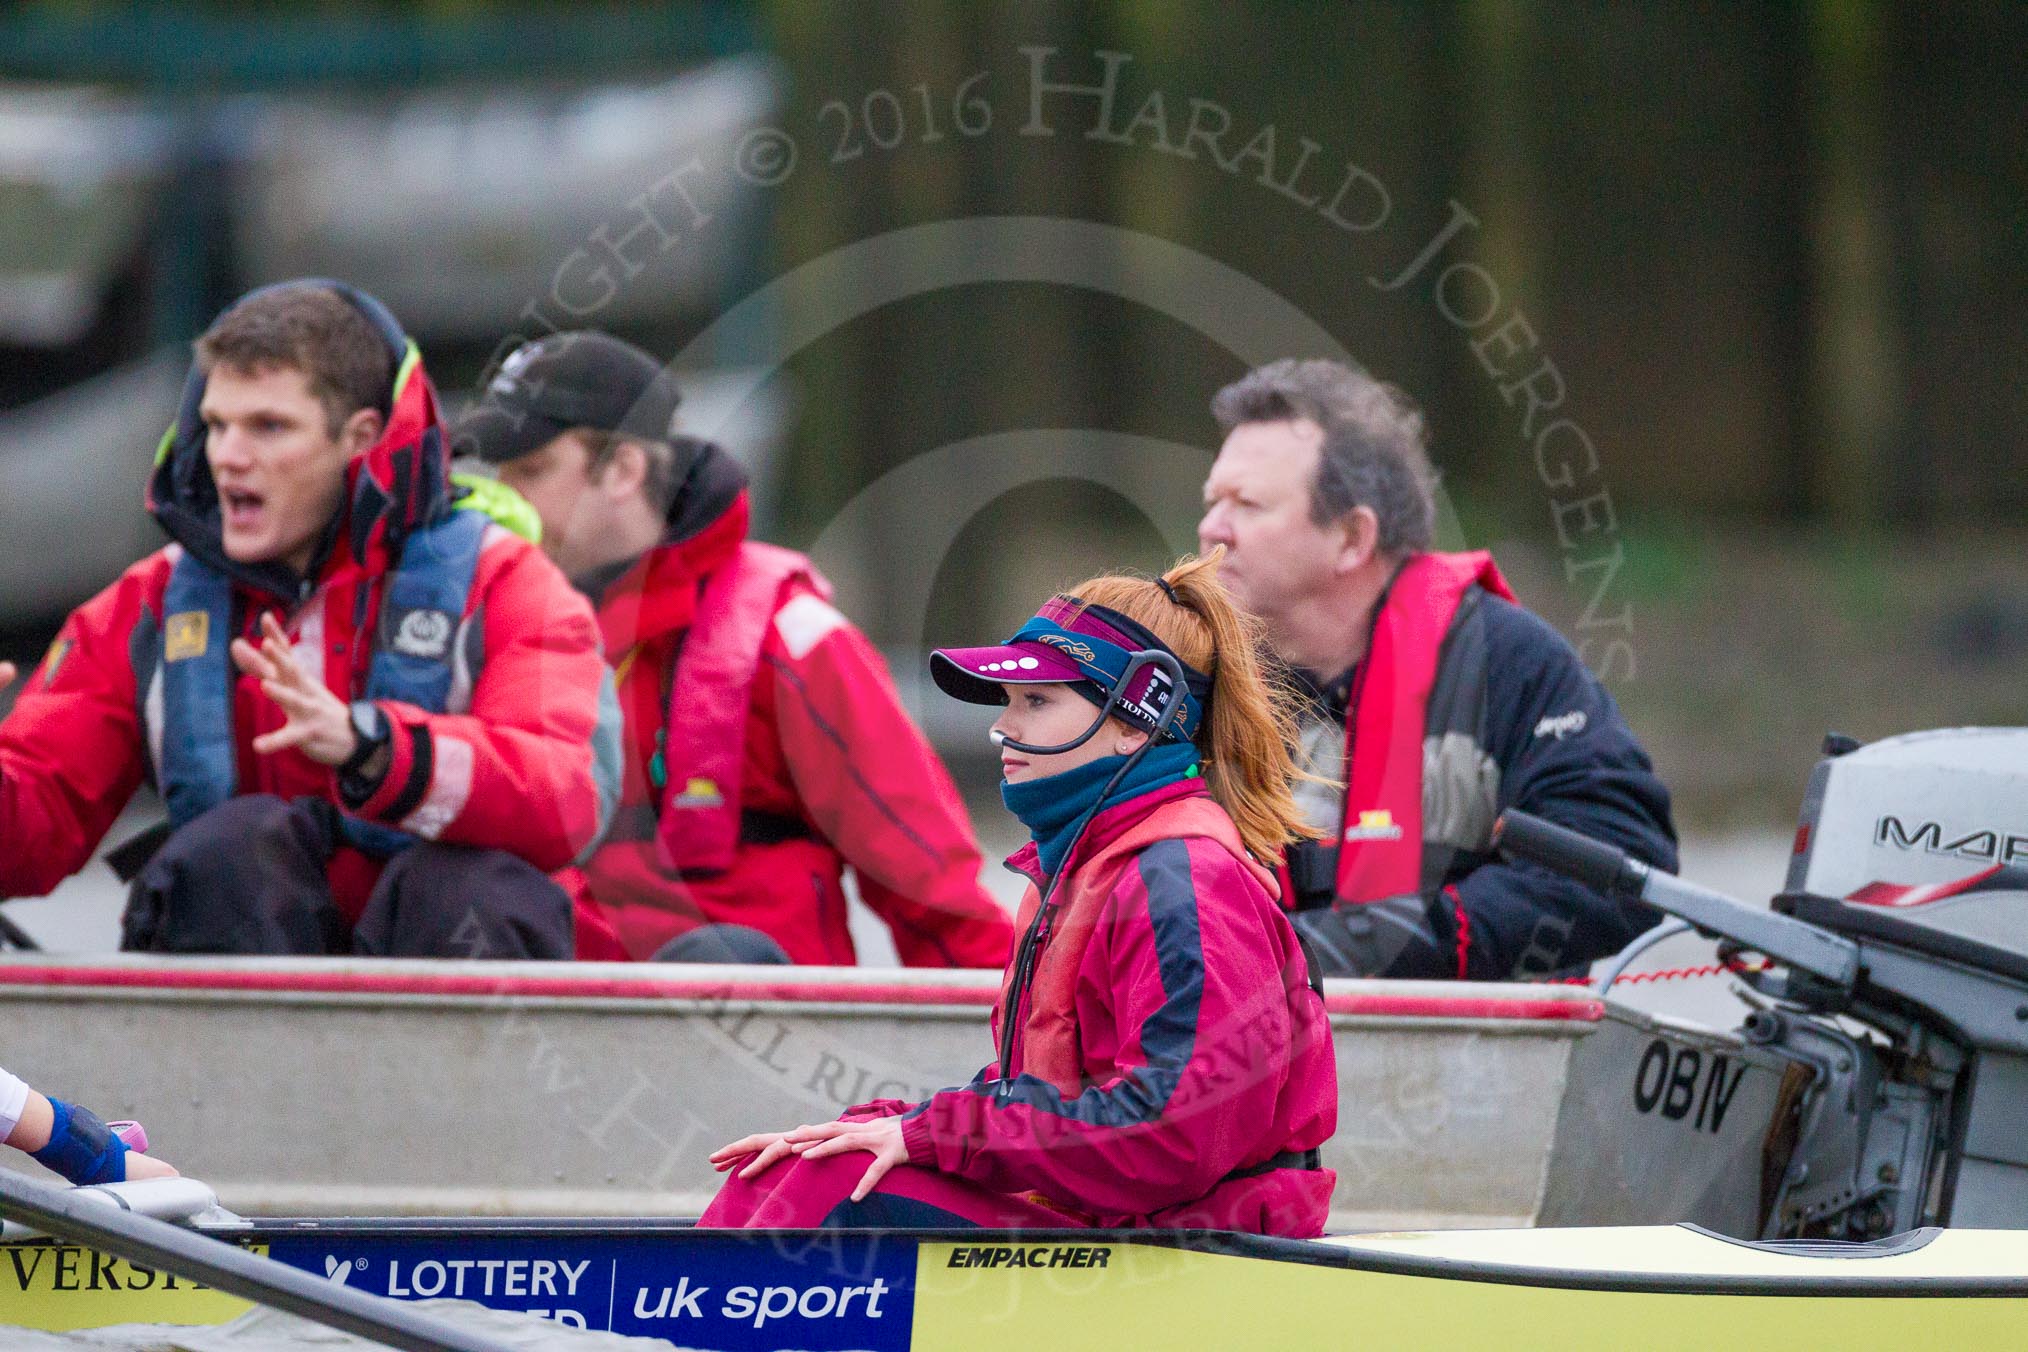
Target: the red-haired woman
pixel 1163 1058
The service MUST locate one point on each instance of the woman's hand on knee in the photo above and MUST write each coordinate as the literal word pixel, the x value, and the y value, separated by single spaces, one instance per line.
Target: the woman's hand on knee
pixel 879 1137
pixel 767 1147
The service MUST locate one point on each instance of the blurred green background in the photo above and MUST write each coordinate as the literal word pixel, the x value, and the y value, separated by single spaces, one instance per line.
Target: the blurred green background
pixel 1773 255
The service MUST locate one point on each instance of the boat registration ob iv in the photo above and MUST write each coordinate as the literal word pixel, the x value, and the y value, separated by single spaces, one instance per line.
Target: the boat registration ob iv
pixel 1894 1016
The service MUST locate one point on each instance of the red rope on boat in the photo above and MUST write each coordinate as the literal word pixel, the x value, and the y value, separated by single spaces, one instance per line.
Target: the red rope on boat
pixel 1669 973
pixel 1681 973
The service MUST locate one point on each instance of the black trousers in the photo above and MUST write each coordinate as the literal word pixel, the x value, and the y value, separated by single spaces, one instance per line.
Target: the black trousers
pixel 248 877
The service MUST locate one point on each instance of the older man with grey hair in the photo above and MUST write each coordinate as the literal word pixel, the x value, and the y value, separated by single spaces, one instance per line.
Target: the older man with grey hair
pixel 1434 700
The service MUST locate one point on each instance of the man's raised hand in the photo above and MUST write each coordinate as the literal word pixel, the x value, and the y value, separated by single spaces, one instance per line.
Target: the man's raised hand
pixel 7 674
pixel 320 725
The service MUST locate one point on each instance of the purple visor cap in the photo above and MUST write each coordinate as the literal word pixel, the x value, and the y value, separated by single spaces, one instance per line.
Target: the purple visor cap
pixel 975 675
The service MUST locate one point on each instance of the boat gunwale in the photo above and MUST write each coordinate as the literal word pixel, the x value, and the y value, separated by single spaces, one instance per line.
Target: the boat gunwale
pixel 604 989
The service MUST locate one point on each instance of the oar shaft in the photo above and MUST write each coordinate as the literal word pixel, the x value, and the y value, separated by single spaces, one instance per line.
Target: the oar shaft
pixel 228 1268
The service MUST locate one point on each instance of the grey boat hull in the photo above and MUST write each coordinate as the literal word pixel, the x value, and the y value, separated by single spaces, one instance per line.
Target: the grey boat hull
pixel 341 1087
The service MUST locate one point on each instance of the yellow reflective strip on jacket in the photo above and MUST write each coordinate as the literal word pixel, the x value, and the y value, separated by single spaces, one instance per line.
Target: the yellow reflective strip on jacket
pixel 410 361
pixel 502 503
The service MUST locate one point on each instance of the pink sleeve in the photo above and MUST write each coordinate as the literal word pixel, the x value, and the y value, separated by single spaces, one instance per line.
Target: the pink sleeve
pixel 878 1108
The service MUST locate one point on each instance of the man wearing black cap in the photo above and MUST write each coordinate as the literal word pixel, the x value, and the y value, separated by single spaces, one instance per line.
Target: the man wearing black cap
pixel 766 745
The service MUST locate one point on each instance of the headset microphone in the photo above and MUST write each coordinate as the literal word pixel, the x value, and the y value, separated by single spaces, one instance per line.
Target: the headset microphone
pixel 1171 707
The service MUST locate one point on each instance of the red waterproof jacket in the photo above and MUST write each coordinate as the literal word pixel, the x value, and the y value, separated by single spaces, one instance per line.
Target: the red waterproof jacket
pixel 1169 1057
pixel 834 771
pixel 512 771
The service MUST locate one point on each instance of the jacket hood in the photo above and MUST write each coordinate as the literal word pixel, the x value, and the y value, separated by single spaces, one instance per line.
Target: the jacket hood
pixel 398 484
pixel 713 486
pixel 642 599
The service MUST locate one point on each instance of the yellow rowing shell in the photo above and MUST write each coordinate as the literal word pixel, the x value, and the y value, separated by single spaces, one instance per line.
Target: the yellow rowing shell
pixel 1662 1287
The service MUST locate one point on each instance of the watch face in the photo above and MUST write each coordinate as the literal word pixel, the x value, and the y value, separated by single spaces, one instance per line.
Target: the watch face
pixel 370 727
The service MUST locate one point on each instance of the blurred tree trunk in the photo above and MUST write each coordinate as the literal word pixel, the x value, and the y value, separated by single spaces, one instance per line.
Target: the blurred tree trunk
pixel 1857 368
pixel 823 460
pixel 1485 54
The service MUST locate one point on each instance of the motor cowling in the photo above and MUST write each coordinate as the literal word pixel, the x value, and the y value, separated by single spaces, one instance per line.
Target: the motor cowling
pixel 1923 836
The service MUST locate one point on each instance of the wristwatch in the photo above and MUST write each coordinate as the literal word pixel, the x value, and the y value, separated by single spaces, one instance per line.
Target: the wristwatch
pixel 369 725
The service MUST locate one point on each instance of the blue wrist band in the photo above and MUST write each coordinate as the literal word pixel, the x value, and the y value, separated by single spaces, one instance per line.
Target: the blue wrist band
pixel 82 1148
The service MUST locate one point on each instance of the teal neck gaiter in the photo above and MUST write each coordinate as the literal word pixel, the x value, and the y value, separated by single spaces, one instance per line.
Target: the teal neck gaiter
pixel 1055 807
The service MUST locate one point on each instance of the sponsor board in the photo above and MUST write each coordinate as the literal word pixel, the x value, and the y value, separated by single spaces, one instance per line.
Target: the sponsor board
pixel 739 1291
pixel 61 1286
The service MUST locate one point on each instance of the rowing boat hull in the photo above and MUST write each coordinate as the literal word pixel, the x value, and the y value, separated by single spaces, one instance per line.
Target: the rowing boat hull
pixel 1661 1287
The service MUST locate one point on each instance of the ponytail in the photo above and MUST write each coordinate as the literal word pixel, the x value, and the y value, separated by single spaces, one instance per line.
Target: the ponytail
pixel 1245 742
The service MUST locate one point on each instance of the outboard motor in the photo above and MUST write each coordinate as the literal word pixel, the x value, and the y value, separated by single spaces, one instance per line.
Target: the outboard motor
pixel 1916 847
pixel 1898 997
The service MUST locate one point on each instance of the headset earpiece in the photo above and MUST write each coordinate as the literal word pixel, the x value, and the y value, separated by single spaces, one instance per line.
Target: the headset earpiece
pixel 1171 710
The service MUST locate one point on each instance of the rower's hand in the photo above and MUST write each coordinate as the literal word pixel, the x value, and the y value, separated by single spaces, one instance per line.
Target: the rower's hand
pixel 879 1137
pixel 7 674
pixel 141 1166
pixel 320 725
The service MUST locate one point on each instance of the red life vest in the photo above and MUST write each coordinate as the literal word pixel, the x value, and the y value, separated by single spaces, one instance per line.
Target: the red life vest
pixel 704 754
pixel 1049 1042
pixel 1380 836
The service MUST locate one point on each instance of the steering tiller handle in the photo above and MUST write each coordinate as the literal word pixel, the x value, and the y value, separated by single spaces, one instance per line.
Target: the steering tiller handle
pixel 1613 872
pixel 1601 867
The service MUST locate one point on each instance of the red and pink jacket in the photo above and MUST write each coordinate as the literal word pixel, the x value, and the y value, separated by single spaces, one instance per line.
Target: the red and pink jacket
pixel 783 754
pixel 508 766
pixel 1171 1064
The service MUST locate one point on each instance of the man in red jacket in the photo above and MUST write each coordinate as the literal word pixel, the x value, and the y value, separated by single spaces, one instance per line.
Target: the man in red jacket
pixel 766 745
pixel 374 719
